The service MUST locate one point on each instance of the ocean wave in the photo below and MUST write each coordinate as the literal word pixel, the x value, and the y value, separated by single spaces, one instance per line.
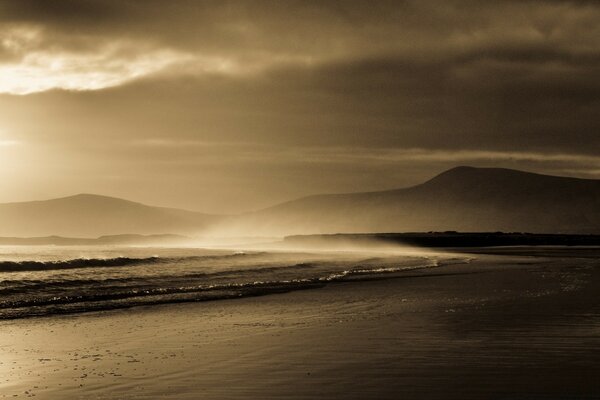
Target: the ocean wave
pixel 231 289
pixel 183 278
pixel 34 265
pixel 8 287
pixel 31 265
pixel 143 292
pixel 357 273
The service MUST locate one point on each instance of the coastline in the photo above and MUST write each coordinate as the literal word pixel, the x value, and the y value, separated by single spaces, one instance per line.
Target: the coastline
pixel 499 327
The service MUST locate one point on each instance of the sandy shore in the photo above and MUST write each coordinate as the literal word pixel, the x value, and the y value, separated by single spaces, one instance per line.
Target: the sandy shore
pixel 504 326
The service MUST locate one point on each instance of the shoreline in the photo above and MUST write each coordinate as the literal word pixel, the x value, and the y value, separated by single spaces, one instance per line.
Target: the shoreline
pixel 495 327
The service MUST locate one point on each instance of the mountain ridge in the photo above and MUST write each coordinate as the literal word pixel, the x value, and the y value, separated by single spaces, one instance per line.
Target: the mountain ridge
pixel 90 215
pixel 461 199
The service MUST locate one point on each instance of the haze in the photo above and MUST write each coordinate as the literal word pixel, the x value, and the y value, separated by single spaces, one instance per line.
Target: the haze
pixel 226 106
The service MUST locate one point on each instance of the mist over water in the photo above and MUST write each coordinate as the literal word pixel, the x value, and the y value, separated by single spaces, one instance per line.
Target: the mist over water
pixel 45 280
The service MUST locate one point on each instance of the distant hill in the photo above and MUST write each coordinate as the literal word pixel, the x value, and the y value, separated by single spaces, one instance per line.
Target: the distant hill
pixel 461 199
pixel 88 215
pixel 110 240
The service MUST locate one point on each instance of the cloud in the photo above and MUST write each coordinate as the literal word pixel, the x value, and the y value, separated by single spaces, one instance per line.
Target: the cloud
pixel 92 45
pixel 35 66
pixel 386 155
pixel 33 59
pixel 191 152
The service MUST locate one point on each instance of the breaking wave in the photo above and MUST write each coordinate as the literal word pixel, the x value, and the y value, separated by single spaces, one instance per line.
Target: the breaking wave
pixel 42 290
pixel 33 265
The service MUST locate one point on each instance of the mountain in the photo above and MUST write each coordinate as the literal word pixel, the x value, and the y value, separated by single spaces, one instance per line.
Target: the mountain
pixel 110 240
pixel 88 215
pixel 461 199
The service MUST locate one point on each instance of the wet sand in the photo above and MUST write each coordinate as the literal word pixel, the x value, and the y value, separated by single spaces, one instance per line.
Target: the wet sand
pixel 502 327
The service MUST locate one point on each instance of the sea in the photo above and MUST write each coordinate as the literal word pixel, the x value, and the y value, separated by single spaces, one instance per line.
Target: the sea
pixel 47 280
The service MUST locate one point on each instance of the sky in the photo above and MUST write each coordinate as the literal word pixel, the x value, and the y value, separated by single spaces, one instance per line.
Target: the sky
pixel 229 106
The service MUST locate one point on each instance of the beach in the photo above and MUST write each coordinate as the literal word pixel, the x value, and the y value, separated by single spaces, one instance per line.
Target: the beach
pixel 516 325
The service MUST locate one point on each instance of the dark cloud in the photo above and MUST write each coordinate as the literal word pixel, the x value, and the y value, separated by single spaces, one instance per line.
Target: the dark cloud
pixel 61 13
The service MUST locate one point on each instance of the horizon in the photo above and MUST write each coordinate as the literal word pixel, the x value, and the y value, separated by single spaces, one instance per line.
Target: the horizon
pixel 231 107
